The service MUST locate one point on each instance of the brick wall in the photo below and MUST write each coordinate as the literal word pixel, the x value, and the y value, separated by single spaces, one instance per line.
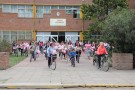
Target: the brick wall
pixel 4 60
pixel 131 3
pixel 0 10
pixel 9 21
pixel 48 2
pixel 122 61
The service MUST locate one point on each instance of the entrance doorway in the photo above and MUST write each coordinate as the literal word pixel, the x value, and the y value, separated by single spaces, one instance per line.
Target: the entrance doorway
pixel 61 38
pixel 57 36
pixel 51 38
pixel 72 38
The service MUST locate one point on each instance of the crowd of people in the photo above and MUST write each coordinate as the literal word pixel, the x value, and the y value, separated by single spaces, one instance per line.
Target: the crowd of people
pixel 22 48
pixel 64 50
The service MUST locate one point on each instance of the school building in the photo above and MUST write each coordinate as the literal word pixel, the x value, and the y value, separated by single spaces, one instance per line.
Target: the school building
pixel 43 20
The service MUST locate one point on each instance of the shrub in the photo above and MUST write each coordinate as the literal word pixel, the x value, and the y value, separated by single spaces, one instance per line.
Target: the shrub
pixel 5 46
pixel 119 30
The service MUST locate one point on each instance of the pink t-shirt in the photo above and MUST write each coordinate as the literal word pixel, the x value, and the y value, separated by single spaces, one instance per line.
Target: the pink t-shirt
pixel 53 52
pixel 87 46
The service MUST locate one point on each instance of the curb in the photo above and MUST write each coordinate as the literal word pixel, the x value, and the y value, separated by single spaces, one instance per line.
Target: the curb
pixel 59 86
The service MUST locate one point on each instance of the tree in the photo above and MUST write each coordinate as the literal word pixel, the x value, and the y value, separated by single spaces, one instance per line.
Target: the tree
pixel 99 10
pixel 119 29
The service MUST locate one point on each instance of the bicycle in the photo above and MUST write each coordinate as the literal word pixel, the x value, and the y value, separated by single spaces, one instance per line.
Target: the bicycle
pixel 45 53
pixel 88 53
pixel 60 54
pixel 72 61
pixel 78 58
pixel 78 53
pixel 104 62
pixel 53 61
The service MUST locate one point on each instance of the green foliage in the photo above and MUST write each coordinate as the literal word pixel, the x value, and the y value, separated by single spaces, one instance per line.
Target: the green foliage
pixel 98 12
pixel 86 35
pixel 86 10
pixel 13 60
pixel 119 29
pixel 101 8
pixel 5 46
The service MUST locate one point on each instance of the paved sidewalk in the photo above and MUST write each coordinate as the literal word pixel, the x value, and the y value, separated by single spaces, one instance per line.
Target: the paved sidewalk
pixel 38 73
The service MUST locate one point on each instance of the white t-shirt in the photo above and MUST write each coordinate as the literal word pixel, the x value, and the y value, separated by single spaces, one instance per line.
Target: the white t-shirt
pixel 61 47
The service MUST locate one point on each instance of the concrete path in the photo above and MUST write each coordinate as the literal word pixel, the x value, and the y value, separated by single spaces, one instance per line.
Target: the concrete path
pixel 38 73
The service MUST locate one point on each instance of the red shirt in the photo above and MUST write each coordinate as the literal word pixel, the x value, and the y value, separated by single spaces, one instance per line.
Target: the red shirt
pixel 101 50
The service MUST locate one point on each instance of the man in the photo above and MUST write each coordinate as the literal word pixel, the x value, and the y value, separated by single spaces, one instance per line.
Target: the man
pixel 49 50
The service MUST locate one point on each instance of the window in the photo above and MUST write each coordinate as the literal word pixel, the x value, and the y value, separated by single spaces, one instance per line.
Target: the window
pixel 69 10
pixel 6 8
pixel 21 6
pixel 75 10
pixel 14 9
pixel 28 35
pixel 74 13
pixel 6 35
pixel 21 35
pixel 25 11
pixel 47 9
pixel 0 6
pixel 78 13
pixel 0 35
pixel 28 11
pixel 54 7
pixel 21 11
pixel 76 7
pixel 62 7
pixel 13 36
pixel 54 33
pixel 39 11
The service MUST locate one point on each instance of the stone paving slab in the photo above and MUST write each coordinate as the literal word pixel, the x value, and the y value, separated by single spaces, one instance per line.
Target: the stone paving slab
pixel 81 89
pixel 84 73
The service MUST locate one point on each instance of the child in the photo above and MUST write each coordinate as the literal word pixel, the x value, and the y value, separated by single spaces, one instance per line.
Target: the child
pixel 72 55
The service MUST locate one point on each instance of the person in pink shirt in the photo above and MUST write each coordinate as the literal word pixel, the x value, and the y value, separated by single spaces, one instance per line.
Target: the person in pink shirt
pixel 88 49
pixel 101 51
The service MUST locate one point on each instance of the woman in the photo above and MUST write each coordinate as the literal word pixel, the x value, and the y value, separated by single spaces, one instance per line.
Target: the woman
pixel 51 51
pixel 33 51
pixel 78 52
pixel 101 51
pixel 88 49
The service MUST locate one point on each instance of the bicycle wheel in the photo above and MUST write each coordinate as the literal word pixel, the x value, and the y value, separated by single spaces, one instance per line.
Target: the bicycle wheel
pixel 89 57
pixel 61 56
pixel 97 64
pixel 73 62
pixel 105 66
pixel 77 59
pixel 53 64
pixel 94 60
